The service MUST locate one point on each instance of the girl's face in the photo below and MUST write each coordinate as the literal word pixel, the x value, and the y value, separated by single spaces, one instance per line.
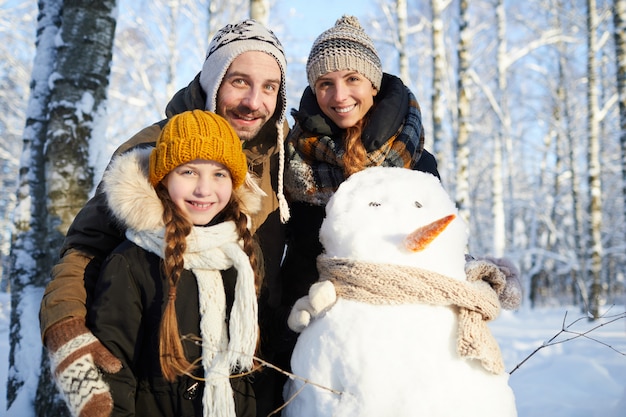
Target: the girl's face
pixel 200 188
pixel 344 96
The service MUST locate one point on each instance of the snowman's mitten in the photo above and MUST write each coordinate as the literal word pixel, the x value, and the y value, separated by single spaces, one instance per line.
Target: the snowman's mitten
pixel 511 295
pixel 76 357
pixel 322 296
pixel 300 315
pixel 502 275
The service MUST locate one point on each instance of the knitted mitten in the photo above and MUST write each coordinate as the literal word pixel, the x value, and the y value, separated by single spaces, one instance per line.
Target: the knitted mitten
pixel 75 356
pixel 494 271
pixel 322 296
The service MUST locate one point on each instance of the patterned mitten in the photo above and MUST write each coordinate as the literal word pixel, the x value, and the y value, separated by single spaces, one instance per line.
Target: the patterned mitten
pixel 76 357
pixel 503 276
pixel 322 296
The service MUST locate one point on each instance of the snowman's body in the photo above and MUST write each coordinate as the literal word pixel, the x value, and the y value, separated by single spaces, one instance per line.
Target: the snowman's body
pixel 395 360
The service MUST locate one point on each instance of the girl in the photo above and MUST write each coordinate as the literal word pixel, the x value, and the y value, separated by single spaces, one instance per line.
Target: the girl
pixel 176 302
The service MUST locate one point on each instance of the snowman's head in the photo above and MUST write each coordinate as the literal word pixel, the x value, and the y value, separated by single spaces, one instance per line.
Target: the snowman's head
pixel 373 212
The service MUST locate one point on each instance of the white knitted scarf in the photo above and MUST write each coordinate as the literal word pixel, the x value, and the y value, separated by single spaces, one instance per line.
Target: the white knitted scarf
pixel 224 350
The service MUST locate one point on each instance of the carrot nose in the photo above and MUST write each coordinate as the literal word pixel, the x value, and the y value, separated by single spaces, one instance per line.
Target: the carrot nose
pixel 421 237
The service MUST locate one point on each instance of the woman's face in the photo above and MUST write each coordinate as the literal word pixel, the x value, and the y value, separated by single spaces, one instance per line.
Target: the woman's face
pixel 344 96
pixel 200 188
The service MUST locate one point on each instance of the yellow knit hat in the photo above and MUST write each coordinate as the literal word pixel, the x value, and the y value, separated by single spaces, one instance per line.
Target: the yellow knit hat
pixel 197 134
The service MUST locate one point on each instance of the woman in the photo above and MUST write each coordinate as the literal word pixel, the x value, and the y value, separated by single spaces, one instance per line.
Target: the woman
pixel 176 302
pixel 351 116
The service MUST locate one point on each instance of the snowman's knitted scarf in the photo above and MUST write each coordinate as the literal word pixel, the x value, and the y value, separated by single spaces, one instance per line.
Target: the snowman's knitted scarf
pixel 376 283
pixel 224 350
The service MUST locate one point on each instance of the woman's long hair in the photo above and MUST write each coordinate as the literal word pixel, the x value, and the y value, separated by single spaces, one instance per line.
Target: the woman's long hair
pixel 355 155
pixel 177 227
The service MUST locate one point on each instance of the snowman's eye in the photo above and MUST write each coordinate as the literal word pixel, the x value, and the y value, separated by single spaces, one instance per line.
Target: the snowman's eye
pixel 418 205
pixel 374 204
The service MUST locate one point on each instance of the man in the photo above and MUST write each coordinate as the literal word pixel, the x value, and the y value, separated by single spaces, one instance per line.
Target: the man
pixel 243 80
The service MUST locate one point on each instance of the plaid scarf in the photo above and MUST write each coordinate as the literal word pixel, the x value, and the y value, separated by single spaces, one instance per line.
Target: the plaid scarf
pixel 314 161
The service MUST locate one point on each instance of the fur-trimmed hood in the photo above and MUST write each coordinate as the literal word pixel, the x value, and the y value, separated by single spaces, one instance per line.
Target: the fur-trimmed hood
pixel 134 202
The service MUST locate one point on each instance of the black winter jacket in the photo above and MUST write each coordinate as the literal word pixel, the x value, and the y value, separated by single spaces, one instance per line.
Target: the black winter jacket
pixel 125 316
pixel 395 110
pixel 390 114
pixel 131 294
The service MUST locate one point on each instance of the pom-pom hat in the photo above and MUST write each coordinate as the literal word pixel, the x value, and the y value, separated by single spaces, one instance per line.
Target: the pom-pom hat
pixel 345 46
pixel 197 134
pixel 228 43
pixel 231 41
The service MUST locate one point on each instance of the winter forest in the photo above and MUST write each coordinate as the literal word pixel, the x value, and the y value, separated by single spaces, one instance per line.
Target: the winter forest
pixel 524 105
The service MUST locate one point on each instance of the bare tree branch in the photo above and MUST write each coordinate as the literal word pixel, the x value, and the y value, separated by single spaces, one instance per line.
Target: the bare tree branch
pixel 566 329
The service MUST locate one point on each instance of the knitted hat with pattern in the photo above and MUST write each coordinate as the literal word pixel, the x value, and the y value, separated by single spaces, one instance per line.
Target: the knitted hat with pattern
pixel 197 134
pixel 228 43
pixel 231 41
pixel 345 46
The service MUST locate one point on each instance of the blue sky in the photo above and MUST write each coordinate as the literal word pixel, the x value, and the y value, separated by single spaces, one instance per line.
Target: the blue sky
pixel 306 19
pixel 298 22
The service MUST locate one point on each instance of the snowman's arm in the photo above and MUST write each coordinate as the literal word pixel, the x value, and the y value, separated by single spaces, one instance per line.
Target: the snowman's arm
pixel 501 274
pixel 322 296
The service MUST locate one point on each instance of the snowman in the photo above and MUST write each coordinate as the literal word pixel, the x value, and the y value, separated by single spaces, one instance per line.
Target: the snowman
pixel 396 326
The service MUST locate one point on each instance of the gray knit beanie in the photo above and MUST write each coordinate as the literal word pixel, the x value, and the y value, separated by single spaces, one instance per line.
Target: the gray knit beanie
pixel 345 46
pixel 228 43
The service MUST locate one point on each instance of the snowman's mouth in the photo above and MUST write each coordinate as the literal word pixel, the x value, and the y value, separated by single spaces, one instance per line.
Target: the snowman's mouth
pixel 419 239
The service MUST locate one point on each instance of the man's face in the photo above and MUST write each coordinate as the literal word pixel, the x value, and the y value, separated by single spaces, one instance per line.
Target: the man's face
pixel 248 94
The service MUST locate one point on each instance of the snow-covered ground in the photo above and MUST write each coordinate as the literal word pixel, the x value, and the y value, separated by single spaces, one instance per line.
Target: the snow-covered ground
pixel 576 378
pixel 584 377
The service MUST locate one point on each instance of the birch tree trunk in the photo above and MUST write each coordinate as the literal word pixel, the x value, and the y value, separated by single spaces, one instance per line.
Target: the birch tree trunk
pixel 29 261
pixel 227 12
pixel 499 218
pixel 619 20
pixel 172 47
pixel 16 68
pixel 260 10
pixel 579 241
pixel 403 35
pixel 593 159
pixel 566 146
pixel 70 79
pixel 463 115
pixel 438 77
